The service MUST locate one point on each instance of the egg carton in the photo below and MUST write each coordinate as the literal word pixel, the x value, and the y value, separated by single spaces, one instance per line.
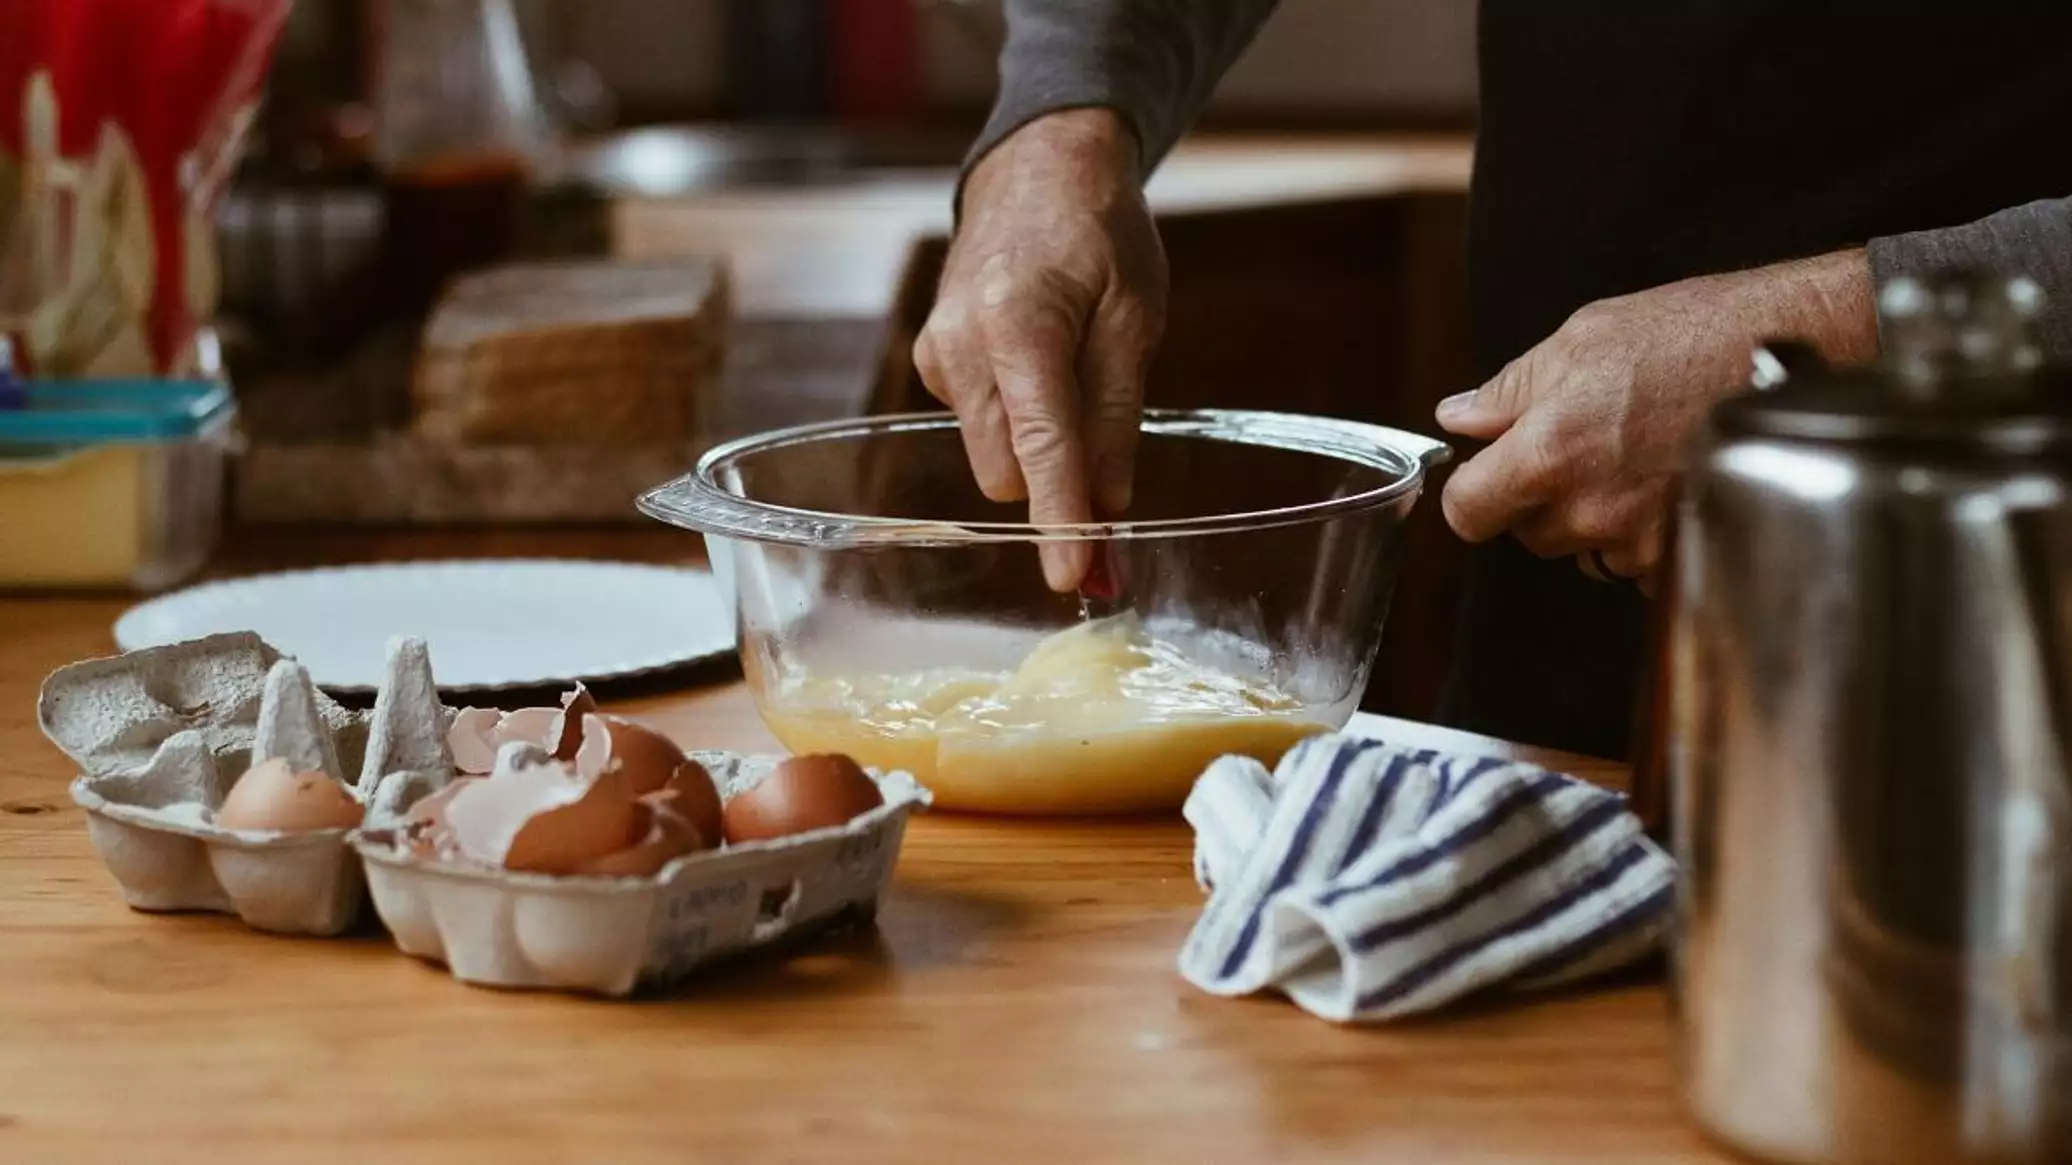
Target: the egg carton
pixel 161 734
pixel 613 936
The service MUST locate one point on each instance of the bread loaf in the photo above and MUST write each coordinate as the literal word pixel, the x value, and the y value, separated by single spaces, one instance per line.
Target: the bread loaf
pixel 573 352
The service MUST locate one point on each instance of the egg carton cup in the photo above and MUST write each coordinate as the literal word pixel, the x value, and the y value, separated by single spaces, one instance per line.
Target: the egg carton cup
pixel 161 734
pixel 613 936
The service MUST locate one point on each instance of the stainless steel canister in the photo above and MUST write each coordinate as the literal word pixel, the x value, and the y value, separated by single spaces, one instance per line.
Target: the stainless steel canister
pixel 1869 664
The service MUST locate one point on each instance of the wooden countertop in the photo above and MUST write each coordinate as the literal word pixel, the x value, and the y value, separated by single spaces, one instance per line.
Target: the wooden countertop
pixel 1017 1002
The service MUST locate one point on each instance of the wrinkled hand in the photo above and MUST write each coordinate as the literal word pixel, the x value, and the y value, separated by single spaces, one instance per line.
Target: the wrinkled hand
pixel 1052 301
pixel 1589 426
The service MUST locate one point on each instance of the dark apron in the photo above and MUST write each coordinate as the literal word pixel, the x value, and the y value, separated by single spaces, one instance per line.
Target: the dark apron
pixel 1625 144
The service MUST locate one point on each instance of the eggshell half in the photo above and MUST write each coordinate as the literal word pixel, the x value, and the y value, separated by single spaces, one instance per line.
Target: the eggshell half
pixel 565 734
pixel 694 796
pixel 654 764
pixel 542 818
pixel 271 795
pixel 664 838
pixel 473 739
pixel 430 836
pixel 647 757
pixel 526 725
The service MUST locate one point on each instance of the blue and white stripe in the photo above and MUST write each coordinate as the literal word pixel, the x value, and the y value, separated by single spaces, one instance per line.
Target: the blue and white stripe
pixel 1368 881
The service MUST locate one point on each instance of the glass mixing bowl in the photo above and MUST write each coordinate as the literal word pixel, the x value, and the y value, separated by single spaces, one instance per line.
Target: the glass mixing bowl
pixel 887 610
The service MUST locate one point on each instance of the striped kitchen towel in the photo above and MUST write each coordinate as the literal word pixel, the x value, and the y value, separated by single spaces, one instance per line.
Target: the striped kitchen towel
pixel 1367 881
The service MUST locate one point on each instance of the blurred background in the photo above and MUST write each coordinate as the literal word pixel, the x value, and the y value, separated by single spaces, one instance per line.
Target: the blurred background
pixel 1352 62
pixel 713 217
pixel 1357 62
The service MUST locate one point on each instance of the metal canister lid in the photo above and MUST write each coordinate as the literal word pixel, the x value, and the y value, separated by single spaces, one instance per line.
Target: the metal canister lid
pixel 1961 364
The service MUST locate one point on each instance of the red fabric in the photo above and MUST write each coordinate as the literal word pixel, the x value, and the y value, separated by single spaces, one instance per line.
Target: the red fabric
pixel 170 74
pixel 877 67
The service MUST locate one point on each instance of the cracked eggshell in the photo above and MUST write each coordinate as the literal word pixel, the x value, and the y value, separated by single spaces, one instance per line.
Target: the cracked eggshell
pixel 477 733
pixel 473 740
pixel 612 935
pixel 612 744
pixel 663 837
pixel 526 726
pixel 565 733
pixel 540 816
pixel 162 736
pixel 655 765
pixel 412 806
pixel 694 795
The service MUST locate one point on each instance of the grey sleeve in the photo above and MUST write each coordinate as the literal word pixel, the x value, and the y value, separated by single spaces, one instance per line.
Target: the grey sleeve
pixel 2033 240
pixel 1154 62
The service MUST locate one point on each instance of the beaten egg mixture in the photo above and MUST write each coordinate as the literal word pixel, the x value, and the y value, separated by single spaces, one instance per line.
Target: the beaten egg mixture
pixel 1103 717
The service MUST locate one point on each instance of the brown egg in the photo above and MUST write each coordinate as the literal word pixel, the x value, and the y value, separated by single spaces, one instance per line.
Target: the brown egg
pixel 664 838
pixel 272 796
pixel 800 794
pixel 542 818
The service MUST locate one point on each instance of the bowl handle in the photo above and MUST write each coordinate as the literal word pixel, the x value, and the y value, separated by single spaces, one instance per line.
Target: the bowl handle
pixel 1430 453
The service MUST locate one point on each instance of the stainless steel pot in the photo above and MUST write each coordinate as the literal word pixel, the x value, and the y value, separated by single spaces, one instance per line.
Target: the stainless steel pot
pixel 1869 663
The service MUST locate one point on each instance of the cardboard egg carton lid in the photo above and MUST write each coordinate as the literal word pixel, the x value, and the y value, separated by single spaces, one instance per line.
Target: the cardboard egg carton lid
pixel 160 735
pixel 114 713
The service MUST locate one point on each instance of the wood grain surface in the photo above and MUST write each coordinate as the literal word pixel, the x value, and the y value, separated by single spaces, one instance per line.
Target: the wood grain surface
pixel 1017 1002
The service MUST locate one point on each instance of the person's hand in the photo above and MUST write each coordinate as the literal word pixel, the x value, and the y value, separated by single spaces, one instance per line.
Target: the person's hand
pixel 1052 301
pixel 1590 425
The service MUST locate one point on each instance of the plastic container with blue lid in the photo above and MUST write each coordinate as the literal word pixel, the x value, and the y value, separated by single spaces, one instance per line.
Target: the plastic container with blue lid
pixel 110 483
